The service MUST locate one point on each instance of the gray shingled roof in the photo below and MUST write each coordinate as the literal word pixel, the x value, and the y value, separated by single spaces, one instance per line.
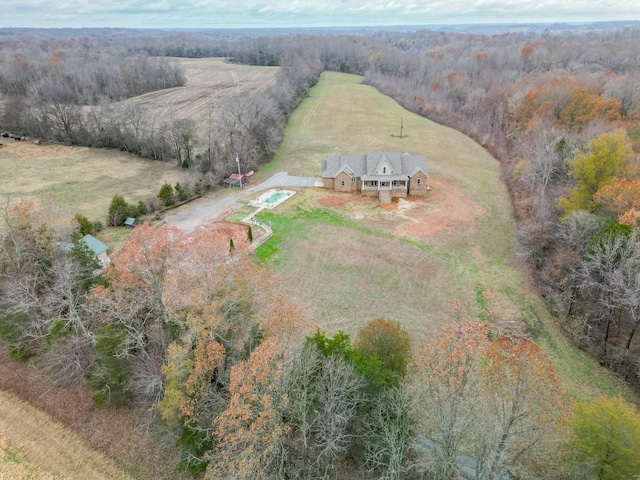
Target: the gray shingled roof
pixel 401 164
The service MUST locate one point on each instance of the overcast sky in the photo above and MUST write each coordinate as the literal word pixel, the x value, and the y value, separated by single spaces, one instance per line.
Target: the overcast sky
pixel 304 13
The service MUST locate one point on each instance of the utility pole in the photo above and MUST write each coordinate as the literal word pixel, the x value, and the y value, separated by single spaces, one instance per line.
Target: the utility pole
pixel 239 172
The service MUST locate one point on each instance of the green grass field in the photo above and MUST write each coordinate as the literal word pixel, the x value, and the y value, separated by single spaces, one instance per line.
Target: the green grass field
pixel 352 263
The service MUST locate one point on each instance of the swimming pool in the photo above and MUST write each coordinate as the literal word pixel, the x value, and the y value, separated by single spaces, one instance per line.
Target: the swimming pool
pixel 272 198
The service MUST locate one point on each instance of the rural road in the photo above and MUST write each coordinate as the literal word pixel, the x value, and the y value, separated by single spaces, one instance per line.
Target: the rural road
pixel 210 208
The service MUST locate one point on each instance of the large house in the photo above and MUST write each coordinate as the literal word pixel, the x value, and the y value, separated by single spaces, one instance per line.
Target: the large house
pixel 377 174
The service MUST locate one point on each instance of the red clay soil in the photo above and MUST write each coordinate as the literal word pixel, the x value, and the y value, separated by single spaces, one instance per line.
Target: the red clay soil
pixel 227 231
pixel 333 201
pixel 389 207
pixel 446 208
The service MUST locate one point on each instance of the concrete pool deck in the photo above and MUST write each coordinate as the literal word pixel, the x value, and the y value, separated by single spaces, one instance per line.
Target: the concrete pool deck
pixel 272 198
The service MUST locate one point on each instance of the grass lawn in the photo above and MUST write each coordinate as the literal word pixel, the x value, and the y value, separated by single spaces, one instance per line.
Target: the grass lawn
pixel 424 263
pixel 79 179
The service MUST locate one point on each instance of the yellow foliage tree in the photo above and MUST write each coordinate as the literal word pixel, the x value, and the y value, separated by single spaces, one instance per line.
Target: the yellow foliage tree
pixel 607 158
pixel 607 438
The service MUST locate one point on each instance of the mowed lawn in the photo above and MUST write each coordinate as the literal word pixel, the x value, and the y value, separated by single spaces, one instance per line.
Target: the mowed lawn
pixel 79 179
pixel 424 264
pixel 359 273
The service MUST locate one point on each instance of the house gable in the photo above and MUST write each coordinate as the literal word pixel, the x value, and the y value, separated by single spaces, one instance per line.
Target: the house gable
pixel 384 167
pixel 376 173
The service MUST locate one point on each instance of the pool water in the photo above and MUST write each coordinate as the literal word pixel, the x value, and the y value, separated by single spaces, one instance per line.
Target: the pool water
pixel 276 196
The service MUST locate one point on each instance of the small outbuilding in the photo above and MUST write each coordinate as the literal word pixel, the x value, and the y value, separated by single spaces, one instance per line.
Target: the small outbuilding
pixel 130 222
pixel 99 249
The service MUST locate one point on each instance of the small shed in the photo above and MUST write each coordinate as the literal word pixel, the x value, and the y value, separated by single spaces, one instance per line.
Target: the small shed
pixel 239 179
pixel 130 222
pixel 99 249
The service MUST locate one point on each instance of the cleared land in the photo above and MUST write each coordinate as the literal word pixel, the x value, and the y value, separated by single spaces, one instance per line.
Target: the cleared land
pixel 84 180
pixel 208 82
pixel 32 445
pixel 424 263
pixel 412 261
pixel 79 179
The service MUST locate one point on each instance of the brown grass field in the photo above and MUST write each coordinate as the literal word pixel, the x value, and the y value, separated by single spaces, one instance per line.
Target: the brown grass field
pixel 424 263
pixel 79 179
pixel 208 82
pixel 33 445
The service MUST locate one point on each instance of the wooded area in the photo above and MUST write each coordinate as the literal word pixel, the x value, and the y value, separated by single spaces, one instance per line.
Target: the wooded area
pixel 206 337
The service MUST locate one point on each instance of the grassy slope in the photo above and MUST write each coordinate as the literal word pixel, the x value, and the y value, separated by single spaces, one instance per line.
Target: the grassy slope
pixel 32 445
pixel 78 178
pixel 347 272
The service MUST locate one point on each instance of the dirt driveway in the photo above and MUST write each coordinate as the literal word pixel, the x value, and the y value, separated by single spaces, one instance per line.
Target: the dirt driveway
pixel 211 208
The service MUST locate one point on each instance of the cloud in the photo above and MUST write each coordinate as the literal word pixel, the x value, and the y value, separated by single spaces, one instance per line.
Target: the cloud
pixel 301 13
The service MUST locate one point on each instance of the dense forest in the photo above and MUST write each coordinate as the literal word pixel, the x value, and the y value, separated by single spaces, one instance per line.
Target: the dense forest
pixel 236 368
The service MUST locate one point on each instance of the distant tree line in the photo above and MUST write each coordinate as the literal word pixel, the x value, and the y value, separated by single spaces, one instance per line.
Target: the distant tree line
pixel 69 90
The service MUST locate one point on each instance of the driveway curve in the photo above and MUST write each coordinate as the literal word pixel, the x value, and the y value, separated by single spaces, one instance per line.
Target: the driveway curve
pixel 222 203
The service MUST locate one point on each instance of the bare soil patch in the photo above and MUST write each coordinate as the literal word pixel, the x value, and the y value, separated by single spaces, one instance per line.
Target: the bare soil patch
pixel 445 209
pixel 333 201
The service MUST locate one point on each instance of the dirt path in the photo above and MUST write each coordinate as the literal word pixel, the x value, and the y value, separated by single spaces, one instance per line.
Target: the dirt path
pixel 33 445
pixel 210 209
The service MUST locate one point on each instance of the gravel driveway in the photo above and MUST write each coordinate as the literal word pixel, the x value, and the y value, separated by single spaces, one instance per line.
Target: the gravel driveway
pixel 212 207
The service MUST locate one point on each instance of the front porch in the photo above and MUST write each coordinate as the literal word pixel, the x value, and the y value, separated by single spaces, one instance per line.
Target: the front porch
pixel 391 188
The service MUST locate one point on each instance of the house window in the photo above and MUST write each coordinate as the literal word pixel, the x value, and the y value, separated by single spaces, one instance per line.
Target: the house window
pixel 353 179
pixel 342 182
pixel 374 183
pixel 384 169
pixel 394 183
pixel 419 181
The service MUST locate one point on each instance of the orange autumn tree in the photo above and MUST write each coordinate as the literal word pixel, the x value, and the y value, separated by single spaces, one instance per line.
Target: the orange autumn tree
pixel 583 107
pixel 523 408
pixel 388 341
pixel 251 431
pixel 445 384
pixel 622 197
pixel 496 400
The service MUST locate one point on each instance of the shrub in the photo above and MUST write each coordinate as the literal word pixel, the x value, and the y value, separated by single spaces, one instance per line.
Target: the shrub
pixel 181 193
pixel 14 332
pixel 97 226
pixel 83 224
pixel 119 210
pixel 141 208
pixel 166 195
pixel 109 380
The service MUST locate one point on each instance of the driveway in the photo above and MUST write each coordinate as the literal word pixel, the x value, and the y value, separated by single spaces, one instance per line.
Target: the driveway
pixel 212 207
